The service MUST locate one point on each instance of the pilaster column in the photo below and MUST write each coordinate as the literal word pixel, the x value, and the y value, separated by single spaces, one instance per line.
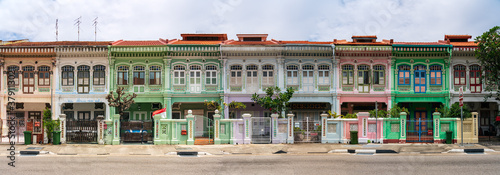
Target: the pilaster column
pixel 217 127
pixel 156 133
pixel 412 80
pixel 436 116
pixel 363 127
pixel 62 126
pixel 474 127
pixel 191 130
pixel 116 129
pixel 248 130
pixel 274 121
pixel 402 127
pixel 323 127
pixel 290 128
pixel 100 130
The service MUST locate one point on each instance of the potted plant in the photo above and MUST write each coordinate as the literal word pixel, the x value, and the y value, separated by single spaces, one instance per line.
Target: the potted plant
pixel 51 127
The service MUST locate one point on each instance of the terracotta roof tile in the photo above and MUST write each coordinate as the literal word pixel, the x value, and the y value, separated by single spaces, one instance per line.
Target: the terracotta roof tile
pixel 421 43
pixel 364 36
pixel 196 42
pixel 303 42
pixel 252 42
pixel 140 43
pixel 62 43
pixel 464 44
pixel 457 37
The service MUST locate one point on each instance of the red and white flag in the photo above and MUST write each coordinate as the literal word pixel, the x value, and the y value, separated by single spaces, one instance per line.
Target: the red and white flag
pixel 162 112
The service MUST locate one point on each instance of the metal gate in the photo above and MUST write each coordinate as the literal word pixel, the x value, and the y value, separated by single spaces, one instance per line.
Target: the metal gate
pixel 261 130
pixel 136 131
pixel 419 129
pixel 81 131
pixel 204 130
pixel 307 131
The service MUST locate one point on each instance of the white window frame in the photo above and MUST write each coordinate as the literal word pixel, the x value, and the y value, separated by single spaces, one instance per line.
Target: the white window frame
pixel 292 75
pixel 324 74
pixel 179 75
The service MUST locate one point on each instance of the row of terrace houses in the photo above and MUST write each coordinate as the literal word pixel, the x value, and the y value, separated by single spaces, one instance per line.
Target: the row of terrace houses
pixel 343 76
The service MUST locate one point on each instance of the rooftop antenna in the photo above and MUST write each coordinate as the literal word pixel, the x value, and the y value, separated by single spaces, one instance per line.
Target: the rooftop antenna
pixel 78 22
pixel 57 30
pixel 95 28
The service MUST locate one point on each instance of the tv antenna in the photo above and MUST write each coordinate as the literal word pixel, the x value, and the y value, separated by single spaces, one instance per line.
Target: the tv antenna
pixel 77 23
pixel 95 28
pixel 57 30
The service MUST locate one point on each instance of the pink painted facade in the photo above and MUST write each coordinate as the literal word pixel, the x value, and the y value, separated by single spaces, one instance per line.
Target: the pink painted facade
pixel 363 74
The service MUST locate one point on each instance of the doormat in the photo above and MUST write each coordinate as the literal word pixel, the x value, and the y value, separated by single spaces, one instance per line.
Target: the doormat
pixel 35 148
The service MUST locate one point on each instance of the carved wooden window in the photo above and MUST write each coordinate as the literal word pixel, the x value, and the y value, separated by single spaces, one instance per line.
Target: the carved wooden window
pixel 67 76
pixel 324 74
pixel 99 75
pixel 211 75
pixel 155 75
pixel 139 75
pixel 292 76
pixel 308 78
pixel 83 79
pixel 459 78
pixel 475 79
pixel 122 75
pixel 236 75
pixel 15 70
pixel 268 75
pixel 436 75
pixel 44 76
pixel 28 79
pixel 378 75
pixel 179 75
pixel 347 74
pixel 404 75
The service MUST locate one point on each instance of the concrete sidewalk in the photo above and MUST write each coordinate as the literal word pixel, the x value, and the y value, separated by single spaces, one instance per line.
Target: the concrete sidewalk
pixel 250 149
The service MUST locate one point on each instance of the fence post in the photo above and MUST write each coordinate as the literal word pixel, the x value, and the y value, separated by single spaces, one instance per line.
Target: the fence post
pixel 402 127
pixel 190 120
pixel 100 129
pixel 323 127
pixel 116 129
pixel 290 128
pixel 62 126
pixel 437 125
pixel 274 121
pixel 216 127
pixel 247 137
pixel 474 127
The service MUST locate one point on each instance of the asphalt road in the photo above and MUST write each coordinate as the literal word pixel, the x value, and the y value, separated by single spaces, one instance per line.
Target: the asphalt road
pixel 262 164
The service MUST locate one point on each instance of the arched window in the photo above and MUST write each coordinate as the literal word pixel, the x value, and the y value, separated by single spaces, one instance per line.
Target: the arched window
pixel 347 74
pixel 44 76
pixel 211 75
pixel 420 78
pixel 15 70
pixel 475 79
pixel 268 75
pixel 28 79
pixel 83 79
pixel 179 75
pixel 404 75
pixel 459 72
pixel 236 75
pixel 436 75
pixel 99 74
pixel 378 75
pixel 308 78
pixel 195 78
pixel 155 75
pixel 139 75
pixel 122 75
pixel 324 74
pixel 292 75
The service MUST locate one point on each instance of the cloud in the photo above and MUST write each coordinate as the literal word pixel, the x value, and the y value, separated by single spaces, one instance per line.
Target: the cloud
pixel 409 20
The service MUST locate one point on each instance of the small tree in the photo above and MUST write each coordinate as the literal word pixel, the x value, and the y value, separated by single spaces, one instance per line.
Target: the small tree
pixel 274 100
pixel 235 105
pixel 122 101
pixel 380 113
pixel 395 111
pixel 488 54
pixel 454 111
pixel 49 124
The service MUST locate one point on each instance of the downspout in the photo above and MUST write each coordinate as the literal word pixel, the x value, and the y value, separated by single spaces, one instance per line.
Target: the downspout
pixel 334 67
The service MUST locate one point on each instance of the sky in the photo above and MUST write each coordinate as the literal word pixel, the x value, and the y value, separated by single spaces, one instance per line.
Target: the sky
pixel 313 20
